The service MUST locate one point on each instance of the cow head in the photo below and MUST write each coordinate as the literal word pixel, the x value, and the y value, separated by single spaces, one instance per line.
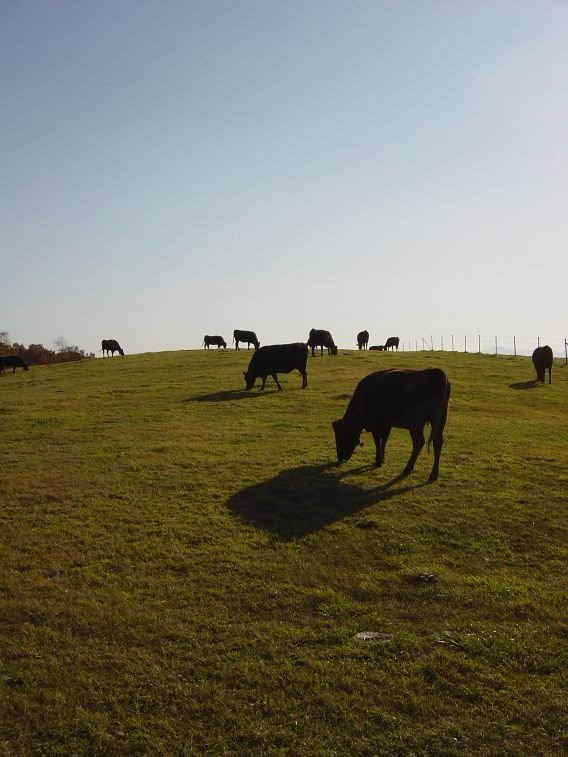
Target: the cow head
pixel 249 379
pixel 346 439
pixel 333 349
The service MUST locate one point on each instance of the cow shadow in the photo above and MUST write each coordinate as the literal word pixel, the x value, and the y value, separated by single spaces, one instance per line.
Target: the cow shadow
pixel 225 396
pixel 525 384
pixel 301 501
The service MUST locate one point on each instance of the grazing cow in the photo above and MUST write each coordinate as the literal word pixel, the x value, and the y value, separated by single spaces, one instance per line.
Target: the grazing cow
pixel 112 346
pixel 363 340
pixel 11 361
pixel 321 338
pixel 379 347
pixel 245 336
pixel 277 358
pixel 400 399
pixel 218 340
pixel 542 359
pixel 392 342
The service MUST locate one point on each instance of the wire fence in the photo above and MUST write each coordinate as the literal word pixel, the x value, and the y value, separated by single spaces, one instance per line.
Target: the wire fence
pixel 487 345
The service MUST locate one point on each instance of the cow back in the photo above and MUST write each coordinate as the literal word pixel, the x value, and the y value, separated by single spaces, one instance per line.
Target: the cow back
pixel 400 398
pixel 279 358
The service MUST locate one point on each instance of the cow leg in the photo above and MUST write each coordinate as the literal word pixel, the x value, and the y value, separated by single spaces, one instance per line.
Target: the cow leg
pixel 275 377
pixel 550 375
pixel 380 437
pixel 379 448
pixel 437 441
pixel 417 436
pixel 304 375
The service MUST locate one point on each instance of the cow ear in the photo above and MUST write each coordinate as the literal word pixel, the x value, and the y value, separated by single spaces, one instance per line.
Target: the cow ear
pixel 335 424
pixel 244 373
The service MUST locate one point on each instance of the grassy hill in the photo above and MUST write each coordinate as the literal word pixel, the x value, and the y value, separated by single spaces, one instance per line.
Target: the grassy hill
pixel 185 569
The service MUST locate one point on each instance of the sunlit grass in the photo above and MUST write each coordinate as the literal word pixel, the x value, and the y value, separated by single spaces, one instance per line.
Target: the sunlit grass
pixel 184 567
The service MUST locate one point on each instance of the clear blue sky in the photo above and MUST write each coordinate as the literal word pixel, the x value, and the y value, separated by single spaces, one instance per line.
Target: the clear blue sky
pixel 176 168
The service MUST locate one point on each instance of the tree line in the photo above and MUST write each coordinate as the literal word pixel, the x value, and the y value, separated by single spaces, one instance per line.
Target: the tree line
pixel 37 354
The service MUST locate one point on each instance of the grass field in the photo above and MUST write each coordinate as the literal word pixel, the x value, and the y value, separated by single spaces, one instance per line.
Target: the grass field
pixel 185 568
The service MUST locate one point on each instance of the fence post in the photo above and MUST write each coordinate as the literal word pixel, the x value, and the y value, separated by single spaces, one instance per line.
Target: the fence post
pixel 442 342
pixel 465 343
pixel 479 343
pixel 432 343
pixel 565 352
pixel 515 345
pixel 495 345
pixel 453 343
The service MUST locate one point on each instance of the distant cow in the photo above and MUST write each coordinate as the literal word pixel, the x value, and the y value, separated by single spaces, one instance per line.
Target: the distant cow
pixel 321 338
pixel 363 340
pixel 277 358
pixel 400 399
pixel 245 336
pixel 218 340
pixel 392 342
pixel 11 361
pixel 542 359
pixel 112 346
pixel 379 347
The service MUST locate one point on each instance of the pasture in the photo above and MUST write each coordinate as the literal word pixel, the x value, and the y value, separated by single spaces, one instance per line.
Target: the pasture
pixel 185 569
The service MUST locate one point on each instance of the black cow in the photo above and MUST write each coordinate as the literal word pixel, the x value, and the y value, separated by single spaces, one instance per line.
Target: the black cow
pixel 11 361
pixel 245 336
pixel 277 358
pixel 400 399
pixel 218 340
pixel 392 342
pixel 112 346
pixel 379 347
pixel 542 359
pixel 321 338
pixel 363 340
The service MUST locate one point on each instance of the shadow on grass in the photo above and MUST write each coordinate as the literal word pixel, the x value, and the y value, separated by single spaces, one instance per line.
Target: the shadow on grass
pixel 300 501
pixel 525 384
pixel 227 396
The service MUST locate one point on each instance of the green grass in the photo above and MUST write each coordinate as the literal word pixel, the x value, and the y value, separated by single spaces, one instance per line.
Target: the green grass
pixel 185 569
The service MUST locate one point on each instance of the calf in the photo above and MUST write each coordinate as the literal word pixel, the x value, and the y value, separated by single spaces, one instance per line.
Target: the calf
pixel 277 358
pixel 400 399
